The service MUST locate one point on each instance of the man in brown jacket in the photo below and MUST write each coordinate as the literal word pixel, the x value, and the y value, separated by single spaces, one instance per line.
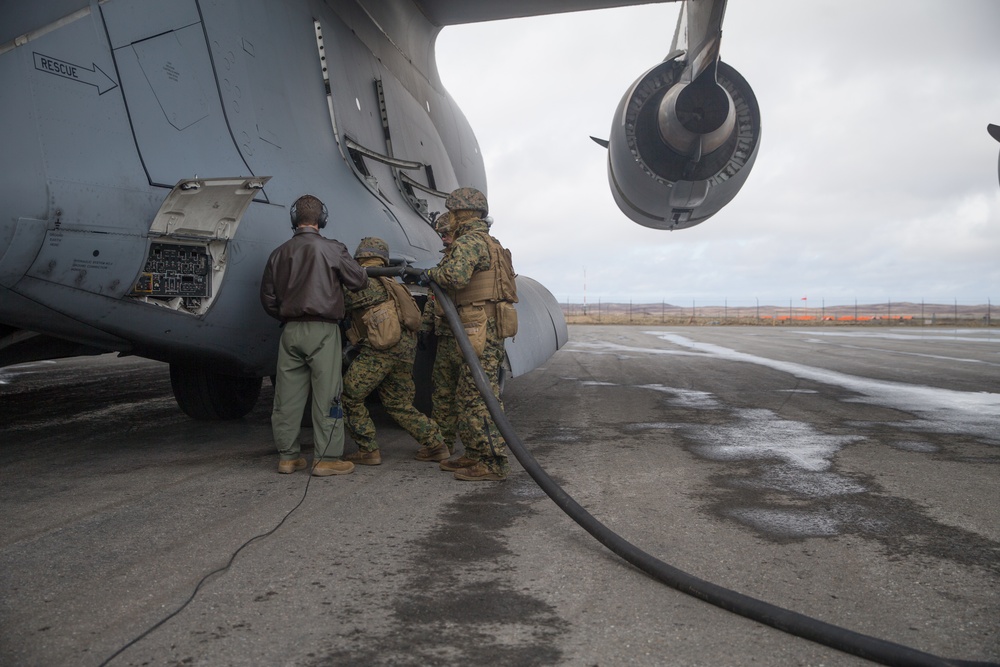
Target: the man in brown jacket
pixel 303 286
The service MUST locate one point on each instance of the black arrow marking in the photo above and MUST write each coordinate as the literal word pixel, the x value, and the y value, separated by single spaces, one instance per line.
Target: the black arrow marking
pixel 92 77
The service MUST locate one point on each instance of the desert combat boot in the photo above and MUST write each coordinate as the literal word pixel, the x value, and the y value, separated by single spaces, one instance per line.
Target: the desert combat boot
pixel 438 452
pixel 335 467
pixel 478 473
pixel 291 465
pixel 365 458
pixel 451 465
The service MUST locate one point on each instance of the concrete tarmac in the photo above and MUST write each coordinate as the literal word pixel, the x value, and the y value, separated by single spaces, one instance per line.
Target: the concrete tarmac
pixel 850 474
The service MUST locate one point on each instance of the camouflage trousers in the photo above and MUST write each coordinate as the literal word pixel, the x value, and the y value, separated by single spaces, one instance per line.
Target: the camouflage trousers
pixel 448 365
pixel 479 434
pixel 393 378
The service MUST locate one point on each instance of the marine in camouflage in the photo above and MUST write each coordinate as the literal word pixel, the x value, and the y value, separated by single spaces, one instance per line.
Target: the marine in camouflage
pixel 372 246
pixel 470 253
pixel 390 372
pixel 442 225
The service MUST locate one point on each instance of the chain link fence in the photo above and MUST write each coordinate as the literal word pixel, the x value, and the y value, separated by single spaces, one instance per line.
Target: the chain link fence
pixel 787 312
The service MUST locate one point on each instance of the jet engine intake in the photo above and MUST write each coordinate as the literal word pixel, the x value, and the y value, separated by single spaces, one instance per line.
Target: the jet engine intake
pixel 680 150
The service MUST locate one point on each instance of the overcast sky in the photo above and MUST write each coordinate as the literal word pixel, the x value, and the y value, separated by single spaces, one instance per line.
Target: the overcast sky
pixel 875 179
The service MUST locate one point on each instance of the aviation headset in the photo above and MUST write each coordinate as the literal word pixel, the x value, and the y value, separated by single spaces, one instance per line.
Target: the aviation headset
pixel 294 212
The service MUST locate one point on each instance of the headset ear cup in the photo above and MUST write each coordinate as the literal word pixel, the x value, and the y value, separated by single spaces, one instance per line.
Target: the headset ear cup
pixel 293 212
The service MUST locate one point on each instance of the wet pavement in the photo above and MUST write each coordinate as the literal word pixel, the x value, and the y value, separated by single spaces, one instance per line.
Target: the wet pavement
pixel 851 474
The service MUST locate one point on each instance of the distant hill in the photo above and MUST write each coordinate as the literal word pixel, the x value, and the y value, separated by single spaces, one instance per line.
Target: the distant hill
pixel 897 312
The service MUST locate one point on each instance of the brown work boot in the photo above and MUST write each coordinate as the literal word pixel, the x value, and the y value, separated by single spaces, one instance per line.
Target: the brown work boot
pixel 327 468
pixel 437 452
pixel 291 465
pixel 365 458
pixel 451 465
pixel 478 473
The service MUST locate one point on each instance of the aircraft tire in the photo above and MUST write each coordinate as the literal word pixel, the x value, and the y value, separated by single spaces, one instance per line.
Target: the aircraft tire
pixel 208 396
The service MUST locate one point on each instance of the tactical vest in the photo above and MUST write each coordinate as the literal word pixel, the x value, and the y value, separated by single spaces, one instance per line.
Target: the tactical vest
pixel 496 283
pixel 496 290
pixel 378 323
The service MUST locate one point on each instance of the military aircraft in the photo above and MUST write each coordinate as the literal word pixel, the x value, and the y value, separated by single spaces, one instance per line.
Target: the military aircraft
pixel 154 147
pixel 994 131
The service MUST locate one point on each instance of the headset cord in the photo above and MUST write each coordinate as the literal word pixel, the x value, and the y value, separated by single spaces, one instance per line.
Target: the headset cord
pixel 225 567
pixel 207 576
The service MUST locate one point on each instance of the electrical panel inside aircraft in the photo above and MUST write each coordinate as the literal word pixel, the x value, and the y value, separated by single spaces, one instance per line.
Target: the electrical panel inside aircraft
pixel 174 270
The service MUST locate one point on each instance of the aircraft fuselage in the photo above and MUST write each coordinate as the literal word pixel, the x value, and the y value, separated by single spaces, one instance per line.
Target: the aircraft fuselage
pixel 155 147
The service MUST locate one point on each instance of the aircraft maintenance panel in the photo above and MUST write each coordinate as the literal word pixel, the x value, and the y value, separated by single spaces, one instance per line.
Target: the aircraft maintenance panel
pixel 175 270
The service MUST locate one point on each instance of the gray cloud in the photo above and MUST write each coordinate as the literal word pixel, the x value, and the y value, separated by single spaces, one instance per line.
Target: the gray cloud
pixel 875 179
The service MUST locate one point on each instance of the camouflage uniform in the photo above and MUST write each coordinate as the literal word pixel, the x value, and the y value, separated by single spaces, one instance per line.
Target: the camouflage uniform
pixel 391 372
pixel 469 254
pixel 448 365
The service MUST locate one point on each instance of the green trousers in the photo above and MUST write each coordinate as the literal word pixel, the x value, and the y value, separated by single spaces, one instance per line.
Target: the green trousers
pixel 309 357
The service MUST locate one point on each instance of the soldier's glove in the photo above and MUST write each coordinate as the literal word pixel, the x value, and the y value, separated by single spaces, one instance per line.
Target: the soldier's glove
pixel 423 279
pixel 422 340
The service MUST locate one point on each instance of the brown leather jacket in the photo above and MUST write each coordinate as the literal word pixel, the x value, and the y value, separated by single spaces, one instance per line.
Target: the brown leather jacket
pixel 304 278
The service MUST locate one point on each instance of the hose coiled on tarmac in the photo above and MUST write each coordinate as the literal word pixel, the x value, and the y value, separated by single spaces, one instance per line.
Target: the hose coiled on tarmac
pixel 800 625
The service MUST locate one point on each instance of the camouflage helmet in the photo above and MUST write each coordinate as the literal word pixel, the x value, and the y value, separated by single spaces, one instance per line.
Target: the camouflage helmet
pixel 442 224
pixel 372 246
pixel 467 199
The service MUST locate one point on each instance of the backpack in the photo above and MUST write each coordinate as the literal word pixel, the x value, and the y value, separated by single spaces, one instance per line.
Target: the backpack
pixel 406 307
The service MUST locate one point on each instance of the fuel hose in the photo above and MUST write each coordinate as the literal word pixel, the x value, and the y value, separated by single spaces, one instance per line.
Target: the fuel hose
pixel 800 625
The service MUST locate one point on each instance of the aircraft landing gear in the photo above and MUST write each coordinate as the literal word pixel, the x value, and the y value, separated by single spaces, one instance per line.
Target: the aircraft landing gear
pixel 209 396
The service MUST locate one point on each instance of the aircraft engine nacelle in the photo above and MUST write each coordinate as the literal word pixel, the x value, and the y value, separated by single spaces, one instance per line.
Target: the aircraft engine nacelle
pixel 680 151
